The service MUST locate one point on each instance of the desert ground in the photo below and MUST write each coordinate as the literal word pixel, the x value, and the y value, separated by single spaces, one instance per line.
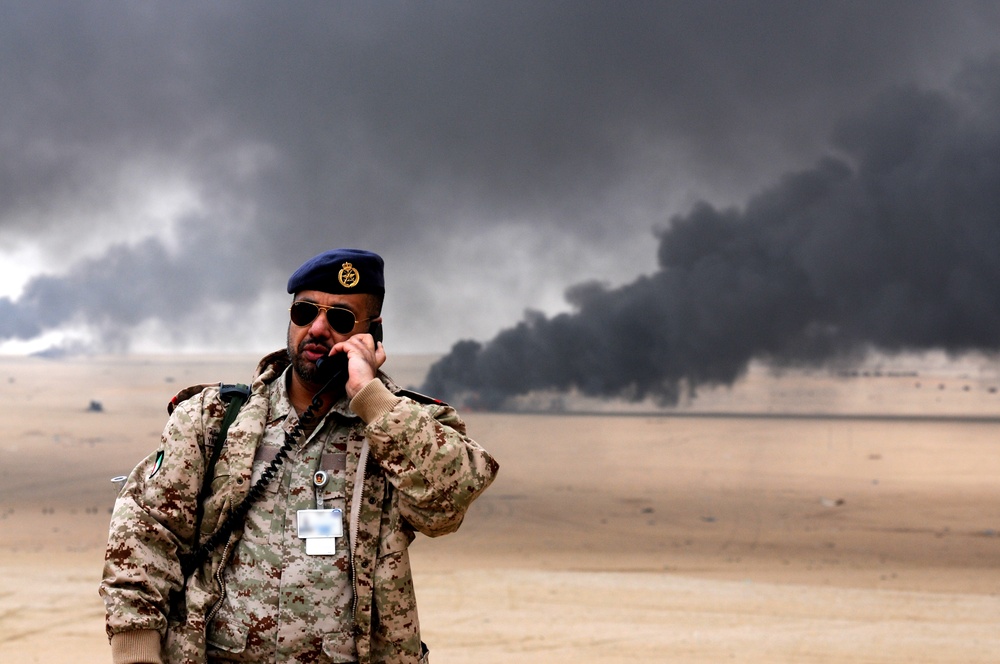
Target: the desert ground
pixel 807 516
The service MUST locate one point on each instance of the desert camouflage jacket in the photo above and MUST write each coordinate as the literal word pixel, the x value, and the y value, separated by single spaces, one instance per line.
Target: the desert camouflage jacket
pixel 418 471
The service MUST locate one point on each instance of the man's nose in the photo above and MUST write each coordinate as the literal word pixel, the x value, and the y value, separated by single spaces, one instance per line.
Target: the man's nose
pixel 320 326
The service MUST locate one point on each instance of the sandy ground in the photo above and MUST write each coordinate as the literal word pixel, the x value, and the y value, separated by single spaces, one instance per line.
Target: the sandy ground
pixel 729 533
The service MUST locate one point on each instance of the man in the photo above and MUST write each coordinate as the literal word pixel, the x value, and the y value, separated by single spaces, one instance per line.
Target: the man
pixel 297 549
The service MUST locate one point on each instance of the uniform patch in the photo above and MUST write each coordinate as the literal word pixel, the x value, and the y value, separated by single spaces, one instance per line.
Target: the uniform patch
pixel 157 464
pixel 421 398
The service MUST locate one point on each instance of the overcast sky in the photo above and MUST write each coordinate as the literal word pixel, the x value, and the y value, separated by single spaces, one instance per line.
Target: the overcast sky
pixel 164 166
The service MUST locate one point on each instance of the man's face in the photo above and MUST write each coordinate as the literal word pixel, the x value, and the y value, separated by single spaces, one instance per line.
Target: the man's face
pixel 309 342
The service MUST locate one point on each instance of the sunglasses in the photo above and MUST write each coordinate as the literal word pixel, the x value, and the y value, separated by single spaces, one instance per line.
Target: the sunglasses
pixel 340 319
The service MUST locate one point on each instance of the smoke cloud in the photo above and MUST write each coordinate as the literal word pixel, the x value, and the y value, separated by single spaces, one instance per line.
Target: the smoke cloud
pixel 890 245
pixel 163 157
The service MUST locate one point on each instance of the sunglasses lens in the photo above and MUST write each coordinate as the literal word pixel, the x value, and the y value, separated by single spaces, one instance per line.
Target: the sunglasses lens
pixel 303 313
pixel 341 320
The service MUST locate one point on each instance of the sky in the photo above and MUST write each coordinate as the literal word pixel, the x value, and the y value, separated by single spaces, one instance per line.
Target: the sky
pixel 165 165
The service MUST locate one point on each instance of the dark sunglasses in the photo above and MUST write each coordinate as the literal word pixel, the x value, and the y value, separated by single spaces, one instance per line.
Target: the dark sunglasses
pixel 340 319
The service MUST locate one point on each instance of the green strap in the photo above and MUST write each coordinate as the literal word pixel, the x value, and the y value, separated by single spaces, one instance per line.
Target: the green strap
pixel 235 396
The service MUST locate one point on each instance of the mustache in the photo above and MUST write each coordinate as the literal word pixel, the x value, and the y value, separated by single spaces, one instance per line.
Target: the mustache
pixel 316 343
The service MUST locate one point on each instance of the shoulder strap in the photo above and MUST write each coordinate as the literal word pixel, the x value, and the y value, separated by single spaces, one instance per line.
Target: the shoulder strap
pixel 235 395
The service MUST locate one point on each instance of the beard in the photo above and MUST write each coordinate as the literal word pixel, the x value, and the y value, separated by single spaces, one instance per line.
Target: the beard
pixel 305 369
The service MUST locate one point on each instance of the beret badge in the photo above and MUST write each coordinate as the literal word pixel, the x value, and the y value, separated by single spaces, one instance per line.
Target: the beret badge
pixel 348 276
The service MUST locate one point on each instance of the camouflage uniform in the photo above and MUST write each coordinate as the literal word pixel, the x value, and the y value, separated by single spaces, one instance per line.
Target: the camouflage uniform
pixel 259 597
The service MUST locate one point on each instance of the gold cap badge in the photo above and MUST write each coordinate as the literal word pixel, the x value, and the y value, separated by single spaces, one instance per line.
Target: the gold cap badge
pixel 348 276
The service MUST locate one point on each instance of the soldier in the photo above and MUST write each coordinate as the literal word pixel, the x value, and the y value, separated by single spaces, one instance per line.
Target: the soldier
pixel 288 541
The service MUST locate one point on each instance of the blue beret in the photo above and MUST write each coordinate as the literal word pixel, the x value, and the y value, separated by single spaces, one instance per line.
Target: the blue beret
pixel 341 271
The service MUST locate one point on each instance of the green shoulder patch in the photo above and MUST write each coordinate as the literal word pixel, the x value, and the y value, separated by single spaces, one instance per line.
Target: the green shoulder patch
pixel 157 464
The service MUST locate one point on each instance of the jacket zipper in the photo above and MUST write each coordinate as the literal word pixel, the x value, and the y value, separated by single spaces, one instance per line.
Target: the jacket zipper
pixel 221 582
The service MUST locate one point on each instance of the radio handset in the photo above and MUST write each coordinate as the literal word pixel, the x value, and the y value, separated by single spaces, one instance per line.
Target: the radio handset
pixel 375 329
pixel 332 370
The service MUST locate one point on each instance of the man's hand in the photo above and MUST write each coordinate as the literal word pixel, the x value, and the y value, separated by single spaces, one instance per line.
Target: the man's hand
pixel 364 358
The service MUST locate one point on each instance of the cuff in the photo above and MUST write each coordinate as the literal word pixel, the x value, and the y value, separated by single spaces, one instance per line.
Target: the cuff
pixel 142 645
pixel 373 401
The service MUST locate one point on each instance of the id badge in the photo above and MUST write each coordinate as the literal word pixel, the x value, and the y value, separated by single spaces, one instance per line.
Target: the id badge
pixel 320 529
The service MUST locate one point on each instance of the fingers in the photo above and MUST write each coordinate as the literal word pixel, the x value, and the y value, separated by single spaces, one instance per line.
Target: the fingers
pixel 364 357
pixel 363 347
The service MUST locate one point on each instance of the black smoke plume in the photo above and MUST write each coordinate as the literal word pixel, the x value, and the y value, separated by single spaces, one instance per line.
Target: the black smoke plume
pixel 164 165
pixel 894 244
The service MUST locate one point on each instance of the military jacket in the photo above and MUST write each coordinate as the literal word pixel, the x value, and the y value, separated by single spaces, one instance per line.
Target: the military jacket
pixel 409 467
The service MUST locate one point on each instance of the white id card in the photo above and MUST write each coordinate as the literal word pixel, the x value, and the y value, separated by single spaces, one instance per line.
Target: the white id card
pixel 321 546
pixel 320 529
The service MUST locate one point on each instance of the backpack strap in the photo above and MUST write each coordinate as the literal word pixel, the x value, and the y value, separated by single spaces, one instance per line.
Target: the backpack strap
pixel 235 395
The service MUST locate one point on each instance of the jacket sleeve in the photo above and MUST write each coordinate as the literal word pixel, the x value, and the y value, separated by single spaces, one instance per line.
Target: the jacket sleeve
pixel 425 453
pixel 152 523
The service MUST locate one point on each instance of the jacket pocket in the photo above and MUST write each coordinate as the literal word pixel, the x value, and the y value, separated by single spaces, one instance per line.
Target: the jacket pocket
pixel 220 474
pixel 395 535
pixel 227 632
pixel 217 501
pixel 335 500
pixel 397 627
pixel 394 543
pixel 339 647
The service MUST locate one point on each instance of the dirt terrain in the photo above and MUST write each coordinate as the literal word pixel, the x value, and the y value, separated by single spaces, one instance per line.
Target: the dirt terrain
pixel 803 517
